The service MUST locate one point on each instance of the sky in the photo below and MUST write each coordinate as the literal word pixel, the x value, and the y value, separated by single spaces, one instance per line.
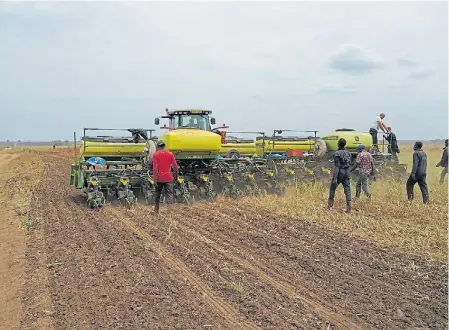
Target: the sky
pixel 258 66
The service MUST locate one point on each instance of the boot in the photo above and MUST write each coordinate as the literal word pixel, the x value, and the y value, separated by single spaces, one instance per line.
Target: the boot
pixel 330 204
pixel 348 207
pixel 156 209
pixel 357 194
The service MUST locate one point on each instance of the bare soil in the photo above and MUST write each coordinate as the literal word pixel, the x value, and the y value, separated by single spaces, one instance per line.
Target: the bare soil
pixel 200 267
pixel 12 245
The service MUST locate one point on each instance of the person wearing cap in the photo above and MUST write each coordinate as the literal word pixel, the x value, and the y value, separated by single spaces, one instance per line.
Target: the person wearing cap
pixel 365 164
pixel 443 162
pixel 163 163
pixel 374 129
pixel 419 173
pixel 393 147
pixel 342 161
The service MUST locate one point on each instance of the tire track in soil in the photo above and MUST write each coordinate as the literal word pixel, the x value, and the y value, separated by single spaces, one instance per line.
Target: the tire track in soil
pixel 334 238
pixel 356 261
pixel 371 262
pixel 265 306
pixel 229 314
pixel 275 281
pixel 70 239
pixel 136 298
pixel 275 240
pixel 405 295
pixel 82 248
pixel 281 284
pixel 77 298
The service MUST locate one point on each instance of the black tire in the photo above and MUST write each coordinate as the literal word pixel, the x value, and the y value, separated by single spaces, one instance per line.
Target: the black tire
pixel 233 154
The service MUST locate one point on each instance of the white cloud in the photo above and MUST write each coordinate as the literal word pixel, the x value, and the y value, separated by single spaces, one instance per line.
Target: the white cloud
pixel 420 74
pixel 258 97
pixel 405 61
pixel 337 89
pixel 354 59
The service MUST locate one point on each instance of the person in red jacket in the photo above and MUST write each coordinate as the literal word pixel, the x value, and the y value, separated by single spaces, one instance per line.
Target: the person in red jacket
pixel 163 162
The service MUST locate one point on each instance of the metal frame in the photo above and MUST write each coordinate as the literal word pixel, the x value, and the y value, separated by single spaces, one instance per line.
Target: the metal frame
pixel 280 131
pixel 106 129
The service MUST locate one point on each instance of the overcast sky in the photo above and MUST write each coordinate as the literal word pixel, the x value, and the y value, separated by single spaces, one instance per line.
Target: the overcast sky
pixel 257 65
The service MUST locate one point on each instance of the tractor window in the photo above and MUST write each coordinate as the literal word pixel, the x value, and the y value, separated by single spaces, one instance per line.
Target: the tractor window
pixel 193 121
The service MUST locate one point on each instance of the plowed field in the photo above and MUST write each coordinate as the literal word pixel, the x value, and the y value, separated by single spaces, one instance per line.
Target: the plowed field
pixel 225 265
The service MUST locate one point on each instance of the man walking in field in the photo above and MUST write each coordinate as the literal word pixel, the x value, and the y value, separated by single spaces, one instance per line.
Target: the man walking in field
pixel 393 147
pixel 342 161
pixel 443 162
pixel 163 162
pixel 365 164
pixel 374 129
pixel 419 173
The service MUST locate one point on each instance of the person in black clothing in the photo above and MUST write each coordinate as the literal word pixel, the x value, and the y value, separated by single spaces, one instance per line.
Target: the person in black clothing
pixel 419 173
pixel 443 162
pixel 393 147
pixel 342 160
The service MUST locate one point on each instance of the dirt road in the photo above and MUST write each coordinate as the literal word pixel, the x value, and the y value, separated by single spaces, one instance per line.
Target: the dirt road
pixel 213 266
pixel 12 245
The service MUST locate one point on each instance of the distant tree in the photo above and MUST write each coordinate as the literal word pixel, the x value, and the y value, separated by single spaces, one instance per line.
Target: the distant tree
pixel 57 143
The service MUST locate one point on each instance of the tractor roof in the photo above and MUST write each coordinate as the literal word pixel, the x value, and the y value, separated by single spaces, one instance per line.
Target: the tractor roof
pixel 188 112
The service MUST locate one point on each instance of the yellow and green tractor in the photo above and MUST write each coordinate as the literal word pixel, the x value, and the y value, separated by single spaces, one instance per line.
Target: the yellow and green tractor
pixel 210 162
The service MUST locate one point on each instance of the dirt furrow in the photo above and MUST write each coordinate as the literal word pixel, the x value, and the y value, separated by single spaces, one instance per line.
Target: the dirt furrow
pixel 417 306
pixel 275 280
pixel 213 265
pixel 101 276
pixel 360 258
pixel 229 314
pixel 295 229
pixel 144 296
pixel 281 227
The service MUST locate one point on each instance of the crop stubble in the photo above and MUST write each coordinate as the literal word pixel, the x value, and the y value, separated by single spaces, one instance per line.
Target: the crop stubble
pixel 232 267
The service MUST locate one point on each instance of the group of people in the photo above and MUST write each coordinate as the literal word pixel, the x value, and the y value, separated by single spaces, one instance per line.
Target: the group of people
pixel 343 169
pixel 365 163
pixel 164 161
pixel 393 147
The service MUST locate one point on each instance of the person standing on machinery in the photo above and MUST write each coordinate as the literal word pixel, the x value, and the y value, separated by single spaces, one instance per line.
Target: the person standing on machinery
pixel 374 130
pixel 163 162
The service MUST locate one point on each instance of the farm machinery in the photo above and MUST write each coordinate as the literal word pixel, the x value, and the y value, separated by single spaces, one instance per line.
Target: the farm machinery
pixel 210 163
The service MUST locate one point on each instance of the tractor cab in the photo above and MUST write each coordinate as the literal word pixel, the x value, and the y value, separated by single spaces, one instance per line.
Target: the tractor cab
pixel 187 119
pixel 190 135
